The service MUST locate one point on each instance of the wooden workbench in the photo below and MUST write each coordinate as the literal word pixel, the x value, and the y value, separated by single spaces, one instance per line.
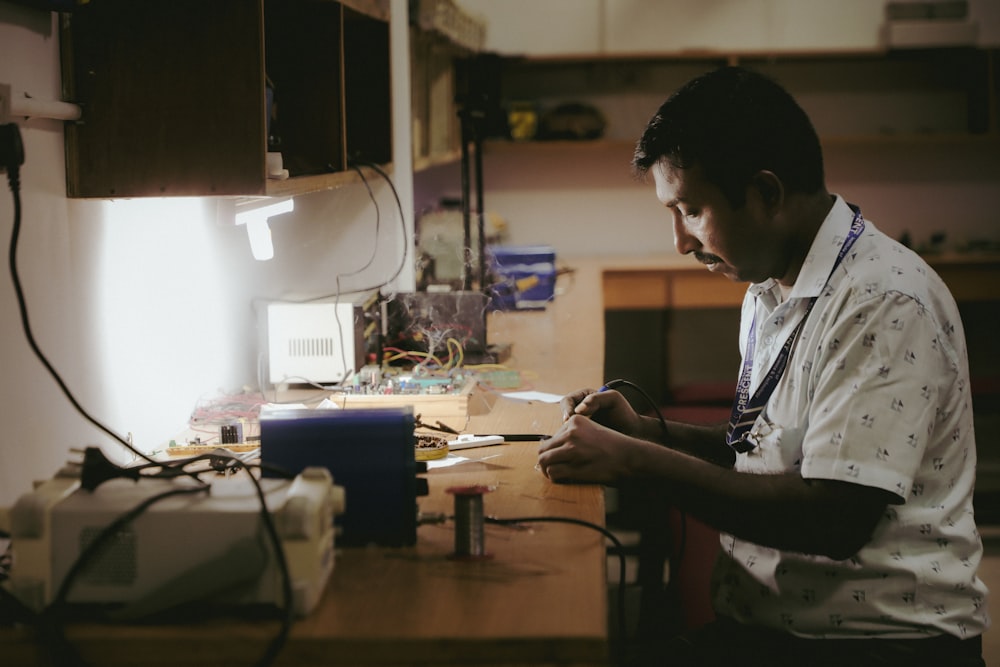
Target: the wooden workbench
pixel 540 599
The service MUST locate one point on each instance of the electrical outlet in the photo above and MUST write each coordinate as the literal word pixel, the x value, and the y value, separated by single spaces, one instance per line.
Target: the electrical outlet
pixel 4 103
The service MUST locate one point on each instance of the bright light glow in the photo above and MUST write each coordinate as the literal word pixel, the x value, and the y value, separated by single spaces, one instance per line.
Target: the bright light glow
pixel 254 215
pixel 262 210
pixel 162 278
pixel 260 239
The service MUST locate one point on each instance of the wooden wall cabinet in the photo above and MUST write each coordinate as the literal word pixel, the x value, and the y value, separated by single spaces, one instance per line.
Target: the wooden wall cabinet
pixel 436 128
pixel 441 33
pixel 175 100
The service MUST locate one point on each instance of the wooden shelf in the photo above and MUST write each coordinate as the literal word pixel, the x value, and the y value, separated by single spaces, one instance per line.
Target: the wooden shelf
pixel 306 184
pixel 436 129
pixel 431 161
pixel 917 95
pixel 986 140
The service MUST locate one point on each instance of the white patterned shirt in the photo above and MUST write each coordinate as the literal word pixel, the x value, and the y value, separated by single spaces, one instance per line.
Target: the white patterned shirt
pixel 876 392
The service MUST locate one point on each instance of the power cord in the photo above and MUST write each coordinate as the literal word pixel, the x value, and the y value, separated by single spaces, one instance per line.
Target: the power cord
pixel 682 515
pixel 11 159
pixel 619 548
pixel 100 470
pixel 52 618
pixel 402 221
pixel 11 151
pixel 614 384
pixel 373 288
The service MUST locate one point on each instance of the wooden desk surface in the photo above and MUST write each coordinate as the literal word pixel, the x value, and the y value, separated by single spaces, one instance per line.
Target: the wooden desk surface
pixel 539 599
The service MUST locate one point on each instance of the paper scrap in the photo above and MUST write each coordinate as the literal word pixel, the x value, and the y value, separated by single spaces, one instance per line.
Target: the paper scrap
pixel 540 396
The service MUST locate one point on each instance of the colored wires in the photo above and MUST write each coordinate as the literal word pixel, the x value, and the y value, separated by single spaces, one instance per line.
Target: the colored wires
pixel 454 360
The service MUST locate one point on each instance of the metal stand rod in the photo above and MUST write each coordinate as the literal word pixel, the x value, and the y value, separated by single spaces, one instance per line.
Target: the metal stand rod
pixel 464 123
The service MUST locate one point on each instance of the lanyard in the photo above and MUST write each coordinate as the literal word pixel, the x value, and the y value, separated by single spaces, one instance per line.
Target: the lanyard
pixel 747 407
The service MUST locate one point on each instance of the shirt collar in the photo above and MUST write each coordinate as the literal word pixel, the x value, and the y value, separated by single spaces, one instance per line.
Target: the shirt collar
pixel 821 257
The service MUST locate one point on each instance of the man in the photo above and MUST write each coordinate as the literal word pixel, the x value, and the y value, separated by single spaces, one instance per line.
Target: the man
pixel 843 485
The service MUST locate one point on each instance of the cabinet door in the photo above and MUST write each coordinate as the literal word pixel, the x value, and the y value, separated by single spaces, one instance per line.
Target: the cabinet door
pixel 367 83
pixel 172 97
pixel 175 95
pixel 303 61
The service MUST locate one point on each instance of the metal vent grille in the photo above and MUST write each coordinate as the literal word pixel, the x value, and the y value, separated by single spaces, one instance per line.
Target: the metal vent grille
pixel 311 347
pixel 115 561
pixel 311 342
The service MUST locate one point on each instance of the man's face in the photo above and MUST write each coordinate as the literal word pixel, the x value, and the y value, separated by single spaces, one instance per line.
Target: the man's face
pixel 737 243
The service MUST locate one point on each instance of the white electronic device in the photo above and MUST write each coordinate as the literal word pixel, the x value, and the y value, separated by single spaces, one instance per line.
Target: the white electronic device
pixel 466 441
pixel 209 548
pixel 318 342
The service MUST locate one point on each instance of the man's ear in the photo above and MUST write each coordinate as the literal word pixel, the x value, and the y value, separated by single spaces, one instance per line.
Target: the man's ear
pixel 770 189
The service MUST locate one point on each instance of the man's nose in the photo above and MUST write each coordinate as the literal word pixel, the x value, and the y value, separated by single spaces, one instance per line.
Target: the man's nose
pixel 683 241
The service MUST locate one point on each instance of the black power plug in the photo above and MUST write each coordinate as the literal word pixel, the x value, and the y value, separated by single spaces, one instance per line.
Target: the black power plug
pixel 97 469
pixel 11 148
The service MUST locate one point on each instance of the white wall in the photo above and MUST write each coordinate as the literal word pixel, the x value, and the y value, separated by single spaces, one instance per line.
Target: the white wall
pixel 582 199
pixel 617 27
pixel 143 306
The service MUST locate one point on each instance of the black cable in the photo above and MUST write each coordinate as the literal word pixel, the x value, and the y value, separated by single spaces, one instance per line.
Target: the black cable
pixel 613 384
pixel 402 222
pixel 59 602
pixel 109 531
pixel 682 515
pixel 371 260
pixel 619 547
pixel 378 226
pixel 288 606
pixel 287 603
pixel 402 219
pixel 13 179
pixel 61 651
pixel 51 620
pixel 373 288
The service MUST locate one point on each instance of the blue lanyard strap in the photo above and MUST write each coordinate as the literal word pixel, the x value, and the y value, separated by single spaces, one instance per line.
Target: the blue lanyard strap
pixel 746 408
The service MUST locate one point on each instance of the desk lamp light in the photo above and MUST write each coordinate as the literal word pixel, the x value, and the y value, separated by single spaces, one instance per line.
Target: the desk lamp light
pixel 254 214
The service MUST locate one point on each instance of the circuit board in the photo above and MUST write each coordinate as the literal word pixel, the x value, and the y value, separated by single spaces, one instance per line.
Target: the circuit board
pixel 445 399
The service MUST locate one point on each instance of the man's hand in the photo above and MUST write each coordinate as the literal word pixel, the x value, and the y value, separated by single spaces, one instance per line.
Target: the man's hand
pixel 605 407
pixel 585 451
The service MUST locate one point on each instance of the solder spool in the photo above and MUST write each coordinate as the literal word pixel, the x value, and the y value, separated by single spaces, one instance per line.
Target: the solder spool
pixel 470 542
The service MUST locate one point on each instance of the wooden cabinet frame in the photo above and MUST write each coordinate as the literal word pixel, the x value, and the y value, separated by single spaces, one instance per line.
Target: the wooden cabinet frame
pixel 174 95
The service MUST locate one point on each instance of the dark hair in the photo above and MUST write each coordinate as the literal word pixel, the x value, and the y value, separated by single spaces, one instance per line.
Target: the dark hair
pixel 733 123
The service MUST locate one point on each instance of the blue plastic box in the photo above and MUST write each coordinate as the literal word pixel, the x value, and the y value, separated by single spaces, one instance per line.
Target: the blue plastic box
pixel 525 277
pixel 369 451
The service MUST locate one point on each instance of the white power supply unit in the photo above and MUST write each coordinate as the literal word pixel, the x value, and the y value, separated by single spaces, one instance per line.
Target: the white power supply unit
pixel 205 549
pixel 317 342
